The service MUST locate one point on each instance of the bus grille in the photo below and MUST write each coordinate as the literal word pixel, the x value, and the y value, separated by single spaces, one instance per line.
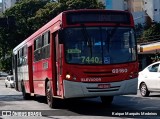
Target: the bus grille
pixel 95 89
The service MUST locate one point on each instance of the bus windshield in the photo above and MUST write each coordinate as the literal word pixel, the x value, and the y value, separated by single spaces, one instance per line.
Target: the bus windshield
pixel 99 45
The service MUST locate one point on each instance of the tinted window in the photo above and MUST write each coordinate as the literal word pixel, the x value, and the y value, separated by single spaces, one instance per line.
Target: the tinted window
pixel 22 56
pixel 46 45
pixel 153 68
pixel 99 45
pixel 37 49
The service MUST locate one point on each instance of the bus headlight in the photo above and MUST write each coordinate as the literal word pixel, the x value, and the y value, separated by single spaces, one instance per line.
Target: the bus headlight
pixel 68 76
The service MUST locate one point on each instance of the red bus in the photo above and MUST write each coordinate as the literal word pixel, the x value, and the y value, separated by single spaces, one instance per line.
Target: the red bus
pixel 79 53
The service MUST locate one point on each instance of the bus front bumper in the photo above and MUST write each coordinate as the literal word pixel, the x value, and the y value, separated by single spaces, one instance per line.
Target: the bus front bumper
pixel 80 89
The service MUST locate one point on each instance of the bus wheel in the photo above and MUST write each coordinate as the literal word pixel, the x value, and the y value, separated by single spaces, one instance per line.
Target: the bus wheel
pixel 107 100
pixel 52 102
pixel 26 96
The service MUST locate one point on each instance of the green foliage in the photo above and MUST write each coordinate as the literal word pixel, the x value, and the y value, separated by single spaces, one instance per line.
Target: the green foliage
pixel 30 15
pixel 151 34
pixel 22 11
pixel 156 57
pixel 52 9
pixel 84 4
pixel 43 15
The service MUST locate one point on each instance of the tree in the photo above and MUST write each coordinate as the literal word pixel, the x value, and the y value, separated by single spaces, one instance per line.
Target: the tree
pixel 151 34
pixel 12 36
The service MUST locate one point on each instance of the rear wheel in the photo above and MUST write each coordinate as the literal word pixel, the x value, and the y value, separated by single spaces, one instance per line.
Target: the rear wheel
pixel 144 90
pixel 107 100
pixel 26 96
pixel 52 102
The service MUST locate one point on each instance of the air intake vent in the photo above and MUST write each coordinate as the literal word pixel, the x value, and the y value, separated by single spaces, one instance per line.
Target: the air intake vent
pixel 95 89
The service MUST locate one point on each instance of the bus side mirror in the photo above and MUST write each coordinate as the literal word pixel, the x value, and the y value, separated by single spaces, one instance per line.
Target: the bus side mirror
pixel 61 36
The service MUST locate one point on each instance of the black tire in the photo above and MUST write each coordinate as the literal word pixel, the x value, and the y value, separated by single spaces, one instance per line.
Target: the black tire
pixel 5 85
pixel 52 102
pixel 26 96
pixel 144 90
pixel 107 100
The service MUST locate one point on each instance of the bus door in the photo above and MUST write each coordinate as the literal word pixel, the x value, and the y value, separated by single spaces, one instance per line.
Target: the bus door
pixel 30 69
pixel 58 64
pixel 15 71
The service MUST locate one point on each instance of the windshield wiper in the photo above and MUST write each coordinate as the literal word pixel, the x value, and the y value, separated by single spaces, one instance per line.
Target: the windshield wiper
pixel 87 38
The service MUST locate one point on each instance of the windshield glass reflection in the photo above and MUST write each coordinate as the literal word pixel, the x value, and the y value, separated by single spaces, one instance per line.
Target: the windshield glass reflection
pixel 99 45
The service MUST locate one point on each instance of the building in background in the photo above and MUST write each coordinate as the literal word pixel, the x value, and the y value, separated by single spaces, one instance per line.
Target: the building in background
pixel 134 6
pixel 7 4
pixel 0 8
pixel 114 4
pixel 152 8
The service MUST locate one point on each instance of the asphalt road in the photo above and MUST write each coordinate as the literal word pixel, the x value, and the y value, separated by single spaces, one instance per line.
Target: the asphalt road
pixel 127 106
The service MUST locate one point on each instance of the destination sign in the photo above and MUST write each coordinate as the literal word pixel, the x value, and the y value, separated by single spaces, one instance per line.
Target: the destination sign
pixel 98 17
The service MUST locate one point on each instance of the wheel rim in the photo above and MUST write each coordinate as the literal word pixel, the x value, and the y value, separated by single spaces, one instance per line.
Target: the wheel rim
pixel 143 90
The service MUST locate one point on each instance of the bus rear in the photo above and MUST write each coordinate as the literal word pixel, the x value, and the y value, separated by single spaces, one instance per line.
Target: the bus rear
pixel 99 54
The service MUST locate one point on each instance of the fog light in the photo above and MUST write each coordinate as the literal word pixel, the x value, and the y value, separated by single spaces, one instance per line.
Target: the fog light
pixel 68 76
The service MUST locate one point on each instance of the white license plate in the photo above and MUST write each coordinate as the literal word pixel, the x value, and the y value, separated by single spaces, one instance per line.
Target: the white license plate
pixel 104 85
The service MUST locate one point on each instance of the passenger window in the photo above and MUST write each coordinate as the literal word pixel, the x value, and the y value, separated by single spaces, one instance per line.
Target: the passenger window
pixel 46 45
pixel 38 49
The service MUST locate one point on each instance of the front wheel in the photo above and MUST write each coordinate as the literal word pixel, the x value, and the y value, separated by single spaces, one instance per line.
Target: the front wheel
pixel 107 100
pixel 144 90
pixel 52 102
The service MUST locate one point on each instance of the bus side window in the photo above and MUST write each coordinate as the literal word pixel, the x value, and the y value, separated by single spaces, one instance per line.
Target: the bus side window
pixel 25 55
pixel 46 45
pixel 20 57
pixel 38 49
